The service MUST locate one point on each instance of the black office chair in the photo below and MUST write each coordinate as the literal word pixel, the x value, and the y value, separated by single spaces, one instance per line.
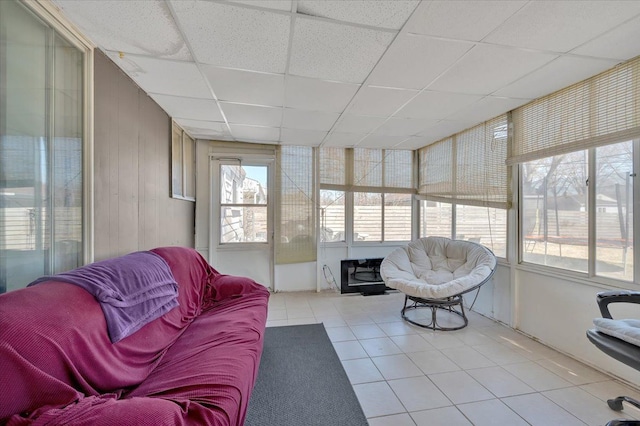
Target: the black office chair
pixel 619 349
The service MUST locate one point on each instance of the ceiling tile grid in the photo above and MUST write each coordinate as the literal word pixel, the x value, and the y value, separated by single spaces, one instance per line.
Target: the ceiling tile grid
pixel 371 73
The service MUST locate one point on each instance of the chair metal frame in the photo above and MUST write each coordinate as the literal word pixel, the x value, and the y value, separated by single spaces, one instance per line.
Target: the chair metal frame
pixel 448 304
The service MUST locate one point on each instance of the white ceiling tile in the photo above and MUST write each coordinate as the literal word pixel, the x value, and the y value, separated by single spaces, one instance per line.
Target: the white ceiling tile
pixel 341 139
pixel 252 115
pixel 189 108
pixel 390 14
pixel 333 51
pixel 236 37
pixel 436 105
pixel 317 95
pixel 560 26
pixel 245 86
pixel 619 43
pixel 308 120
pixel 205 129
pixel 350 123
pixel 461 20
pixel 560 73
pixel 152 75
pixel 376 140
pixel 414 61
pixel 486 69
pixel 302 137
pixel 143 27
pixel 283 5
pixel 380 101
pixel 255 133
pixel 487 108
pixel 404 126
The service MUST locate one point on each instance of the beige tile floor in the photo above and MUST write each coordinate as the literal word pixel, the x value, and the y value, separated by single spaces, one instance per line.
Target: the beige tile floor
pixel 484 374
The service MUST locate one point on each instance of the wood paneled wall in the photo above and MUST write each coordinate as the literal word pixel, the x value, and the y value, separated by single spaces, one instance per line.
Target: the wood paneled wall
pixel 132 143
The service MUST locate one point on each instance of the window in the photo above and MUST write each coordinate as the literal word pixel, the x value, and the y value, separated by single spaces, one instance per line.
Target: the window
pixel 483 225
pixel 555 214
pixel 41 149
pixel 436 219
pixel 614 211
pixel 183 164
pixel 556 206
pixel 243 204
pixel 332 216
pixel 465 186
pixel 381 184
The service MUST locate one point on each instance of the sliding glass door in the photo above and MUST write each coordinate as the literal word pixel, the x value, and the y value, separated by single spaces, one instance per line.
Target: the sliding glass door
pixel 41 149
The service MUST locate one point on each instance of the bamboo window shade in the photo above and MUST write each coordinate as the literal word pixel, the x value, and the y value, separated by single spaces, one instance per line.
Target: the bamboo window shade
pixel 295 220
pixel 469 167
pixel 598 111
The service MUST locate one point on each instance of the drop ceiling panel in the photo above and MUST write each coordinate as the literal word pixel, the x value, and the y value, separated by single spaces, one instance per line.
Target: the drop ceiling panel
pixel 143 27
pixel 487 108
pixel 245 86
pixel 375 140
pixel 619 43
pixel 302 137
pixel 380 101
pixel 404 126
pixel 205 129
pixel 152 75
pixel 487 68
pixel 557 74
pixel 308 120
pixel 436 105
pixel 255 133
pixel 350 123
pixel 252 115
pixel 345 140
pixel 560 26
pixel 461 20
pixel 236 37
pixel 414 61
pixel 317 95
pixel 332 51
pixel 390 14
pixel 189 108
pixel 283 5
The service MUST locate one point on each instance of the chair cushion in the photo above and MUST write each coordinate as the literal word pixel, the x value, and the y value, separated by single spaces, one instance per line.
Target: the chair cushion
pixel 624 329
pixel 437 267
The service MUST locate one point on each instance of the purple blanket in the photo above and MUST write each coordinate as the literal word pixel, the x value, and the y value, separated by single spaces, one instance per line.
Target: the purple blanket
pixel 132 290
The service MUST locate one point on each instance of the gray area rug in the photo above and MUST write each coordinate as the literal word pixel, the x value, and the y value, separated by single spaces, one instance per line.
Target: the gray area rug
pixel 301 382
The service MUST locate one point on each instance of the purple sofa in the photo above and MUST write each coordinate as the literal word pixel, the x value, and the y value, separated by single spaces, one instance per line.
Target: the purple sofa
pixel 196 364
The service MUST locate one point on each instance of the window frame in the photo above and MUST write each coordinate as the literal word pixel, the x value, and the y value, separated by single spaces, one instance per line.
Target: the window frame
pixel 186 169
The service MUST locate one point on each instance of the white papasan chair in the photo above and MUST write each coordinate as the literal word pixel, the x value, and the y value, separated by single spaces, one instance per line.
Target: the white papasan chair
pixel 434 272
